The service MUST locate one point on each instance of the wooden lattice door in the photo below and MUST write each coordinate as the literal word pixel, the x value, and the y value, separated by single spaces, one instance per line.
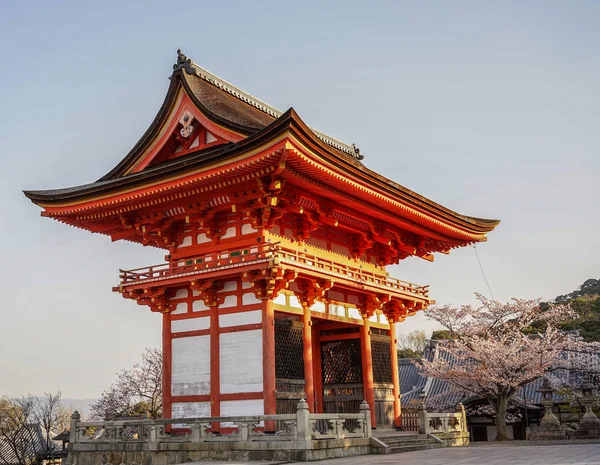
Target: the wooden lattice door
pixel 342 376
pixel 289 365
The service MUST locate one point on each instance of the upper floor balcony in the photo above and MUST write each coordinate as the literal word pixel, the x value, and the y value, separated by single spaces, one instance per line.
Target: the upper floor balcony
pixel 221 264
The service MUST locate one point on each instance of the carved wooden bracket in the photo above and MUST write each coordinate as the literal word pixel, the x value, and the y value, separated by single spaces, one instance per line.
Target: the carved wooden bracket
pixel 359 245
pixel 157 298
pixel 369 303
pixel 267 283
pixel 310 290
pixel 208 290
pixel 397 310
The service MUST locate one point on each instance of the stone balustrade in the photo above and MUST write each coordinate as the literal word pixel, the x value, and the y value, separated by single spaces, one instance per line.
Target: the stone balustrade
pixel 300 427
pixel 449 427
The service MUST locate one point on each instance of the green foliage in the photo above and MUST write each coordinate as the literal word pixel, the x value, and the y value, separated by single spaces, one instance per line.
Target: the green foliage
pixel 409 353
pixel 586 302
pixel 441 335
pixel 591 287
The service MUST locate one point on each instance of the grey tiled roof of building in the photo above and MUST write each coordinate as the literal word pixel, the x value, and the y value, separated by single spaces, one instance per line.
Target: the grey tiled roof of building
pixel 438 392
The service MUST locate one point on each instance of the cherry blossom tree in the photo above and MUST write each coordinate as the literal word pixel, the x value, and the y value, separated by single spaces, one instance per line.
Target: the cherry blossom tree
pixel 134 391
pixel 494 352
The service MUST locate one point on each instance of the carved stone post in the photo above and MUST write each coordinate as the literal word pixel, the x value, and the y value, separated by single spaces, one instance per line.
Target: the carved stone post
pixel 74 433
pixel 196 432
pixel 153 437
pixel 422 415
pixel 366 411
pixel 460 408
pixel 244 433
pixel 304 430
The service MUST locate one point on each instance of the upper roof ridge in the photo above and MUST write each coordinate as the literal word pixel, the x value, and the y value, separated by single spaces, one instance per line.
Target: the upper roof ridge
pixel 183 62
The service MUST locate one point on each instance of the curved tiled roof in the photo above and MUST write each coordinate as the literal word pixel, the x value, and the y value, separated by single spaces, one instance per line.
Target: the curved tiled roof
pixel 184 63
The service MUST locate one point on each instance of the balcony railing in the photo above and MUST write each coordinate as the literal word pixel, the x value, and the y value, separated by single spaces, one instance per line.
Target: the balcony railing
pixel 270 253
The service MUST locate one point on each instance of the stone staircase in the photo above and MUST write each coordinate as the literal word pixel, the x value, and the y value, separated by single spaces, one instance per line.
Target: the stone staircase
pixel 405 443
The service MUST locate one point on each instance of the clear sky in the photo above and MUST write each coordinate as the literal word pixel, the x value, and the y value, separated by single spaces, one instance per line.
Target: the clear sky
pixel 490 108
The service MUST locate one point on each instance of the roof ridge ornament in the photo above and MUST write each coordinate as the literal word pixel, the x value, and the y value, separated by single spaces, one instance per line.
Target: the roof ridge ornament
pixel 185 63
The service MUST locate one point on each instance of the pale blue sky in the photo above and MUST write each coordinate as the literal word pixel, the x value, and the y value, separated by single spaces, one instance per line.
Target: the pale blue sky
pixel 490 108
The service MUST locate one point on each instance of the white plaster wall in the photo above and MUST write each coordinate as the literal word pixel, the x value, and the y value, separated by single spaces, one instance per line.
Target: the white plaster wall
pixel 229 301
pixel 280 299
pixel 318 306
pixel 241 362
pixel 294 302
pixel 373 318
pixel 338 310
pixel 202 239
pixel 241 318
pixel 190 366
pixel 190 409
pixel 229 233
pixel 248 229
pixel 190 324
pixel 229 286
pixel 198 305
pixel 250 299
pixel 187 241
pixel 246 285
pixel 354 313
pixel 234 408
pixel 181 307
pixel 181 294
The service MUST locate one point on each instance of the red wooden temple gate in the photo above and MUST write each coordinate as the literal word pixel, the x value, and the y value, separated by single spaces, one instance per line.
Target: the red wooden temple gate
pixel 274 286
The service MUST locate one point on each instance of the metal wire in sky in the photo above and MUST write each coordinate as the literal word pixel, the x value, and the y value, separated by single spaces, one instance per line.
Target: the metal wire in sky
pixel 483 273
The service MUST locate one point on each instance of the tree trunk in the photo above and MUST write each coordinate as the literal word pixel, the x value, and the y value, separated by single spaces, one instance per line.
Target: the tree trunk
pixel 501 406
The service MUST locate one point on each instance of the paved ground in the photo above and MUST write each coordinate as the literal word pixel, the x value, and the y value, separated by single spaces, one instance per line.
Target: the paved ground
pixel 575 454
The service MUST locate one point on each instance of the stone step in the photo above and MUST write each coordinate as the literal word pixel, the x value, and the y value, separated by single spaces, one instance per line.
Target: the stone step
pixel 400 437
pixel 412 448
pixel 410 442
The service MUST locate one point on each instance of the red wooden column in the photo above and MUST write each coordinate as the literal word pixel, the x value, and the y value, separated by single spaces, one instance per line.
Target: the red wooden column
pixel 268 336
pixel 215 366
pixel 367 368
pixel 309 385
pixel 395 375
pixel 167 351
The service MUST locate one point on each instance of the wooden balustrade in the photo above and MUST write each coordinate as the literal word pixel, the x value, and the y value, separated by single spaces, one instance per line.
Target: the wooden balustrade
pixel 268 251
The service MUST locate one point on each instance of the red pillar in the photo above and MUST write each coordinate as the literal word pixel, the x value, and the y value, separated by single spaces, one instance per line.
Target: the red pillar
pixel 166 365
pixel 367 368
pixel 309 386
pixel 395 375
pixel 268 335
pixel 215 367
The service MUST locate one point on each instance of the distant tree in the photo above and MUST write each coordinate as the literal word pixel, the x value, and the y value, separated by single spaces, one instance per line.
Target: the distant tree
pixel 590 287
pixel 20 440
pixel 585 301
pixel 441 334
pixel 50 413
pixel 491 354
pixel 134 391
pixel 412 345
